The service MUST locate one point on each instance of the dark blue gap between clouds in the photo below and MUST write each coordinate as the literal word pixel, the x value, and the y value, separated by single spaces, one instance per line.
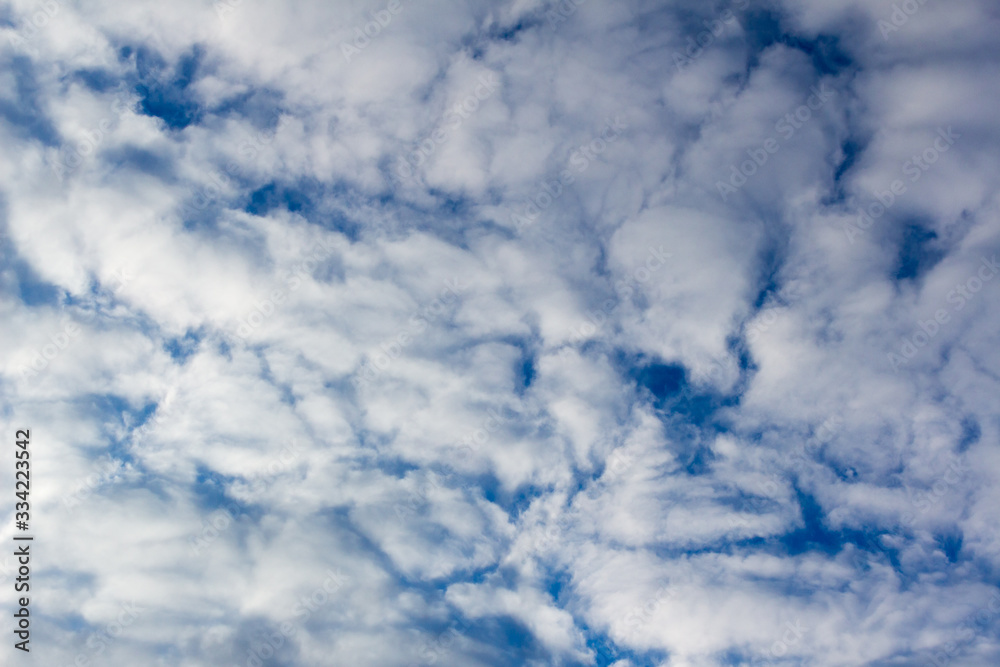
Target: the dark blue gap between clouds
pixel 165 93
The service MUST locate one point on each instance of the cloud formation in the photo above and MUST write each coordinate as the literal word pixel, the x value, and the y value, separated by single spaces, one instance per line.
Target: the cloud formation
pixel 517 333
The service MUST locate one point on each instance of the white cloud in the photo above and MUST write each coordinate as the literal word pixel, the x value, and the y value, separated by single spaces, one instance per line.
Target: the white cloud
pixel 197 291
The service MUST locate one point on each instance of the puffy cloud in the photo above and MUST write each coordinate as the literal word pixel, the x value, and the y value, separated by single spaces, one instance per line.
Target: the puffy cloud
pixel 523 333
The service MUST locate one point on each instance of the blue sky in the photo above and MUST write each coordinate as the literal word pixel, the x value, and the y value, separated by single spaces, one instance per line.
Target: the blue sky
pixel 504 333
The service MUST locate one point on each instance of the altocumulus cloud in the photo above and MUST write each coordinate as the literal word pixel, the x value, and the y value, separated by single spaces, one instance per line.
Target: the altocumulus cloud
pixel 646 359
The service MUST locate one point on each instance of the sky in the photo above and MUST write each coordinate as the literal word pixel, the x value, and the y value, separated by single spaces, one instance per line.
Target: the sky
pixel 513 332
